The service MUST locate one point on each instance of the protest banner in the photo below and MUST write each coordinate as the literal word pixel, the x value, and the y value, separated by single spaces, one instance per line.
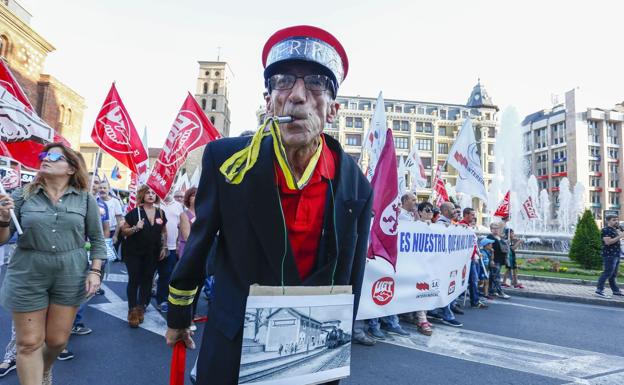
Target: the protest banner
pixel 432 269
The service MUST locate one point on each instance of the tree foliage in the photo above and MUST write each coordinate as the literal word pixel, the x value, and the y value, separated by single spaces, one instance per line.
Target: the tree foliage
pixel 586 244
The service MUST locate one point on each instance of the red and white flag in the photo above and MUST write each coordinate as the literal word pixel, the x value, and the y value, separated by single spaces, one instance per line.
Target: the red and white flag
pixel 132 187
pixel 12 176
pixel 528 209
pixel 115 133
pixel 191 129
pixel 503 207
pixel 439 188
pixel 23 132
pixel 386 207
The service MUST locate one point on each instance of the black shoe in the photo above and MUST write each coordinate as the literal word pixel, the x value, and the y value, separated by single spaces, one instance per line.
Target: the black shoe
pixel 100 292
pixel 65 355
pixel 453 323
pixel 618 293
pixel 8 369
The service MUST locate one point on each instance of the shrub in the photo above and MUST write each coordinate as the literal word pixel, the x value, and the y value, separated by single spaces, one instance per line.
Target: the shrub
pixel 586 244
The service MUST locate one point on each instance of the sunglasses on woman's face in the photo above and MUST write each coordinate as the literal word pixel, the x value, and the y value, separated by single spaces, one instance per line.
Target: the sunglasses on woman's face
pixel 51 156
pixel 427 211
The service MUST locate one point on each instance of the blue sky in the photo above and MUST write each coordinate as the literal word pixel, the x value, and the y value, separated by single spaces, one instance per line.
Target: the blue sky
pixel 432 51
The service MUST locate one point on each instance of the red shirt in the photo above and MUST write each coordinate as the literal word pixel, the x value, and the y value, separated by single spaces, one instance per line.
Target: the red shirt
pixel 475 250
pixel 304 211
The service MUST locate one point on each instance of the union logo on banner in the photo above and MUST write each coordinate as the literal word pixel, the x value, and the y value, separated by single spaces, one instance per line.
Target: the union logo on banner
pixel 190 130
pixel 383 291
pixel 116 134
pixel 184 135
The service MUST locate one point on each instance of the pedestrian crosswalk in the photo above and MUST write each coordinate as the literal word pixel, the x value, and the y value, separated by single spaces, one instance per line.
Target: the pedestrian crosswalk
pixel 573 365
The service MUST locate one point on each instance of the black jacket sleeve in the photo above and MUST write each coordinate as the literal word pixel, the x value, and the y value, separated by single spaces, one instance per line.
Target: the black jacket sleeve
pixel 191 266
pixel 361 250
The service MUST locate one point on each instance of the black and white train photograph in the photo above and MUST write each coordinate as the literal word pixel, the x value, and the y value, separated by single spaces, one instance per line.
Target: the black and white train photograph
pixel 296 344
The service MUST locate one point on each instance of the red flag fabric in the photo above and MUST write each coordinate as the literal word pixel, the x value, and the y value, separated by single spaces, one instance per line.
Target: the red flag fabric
pixel 383 234
pixel 134 178
pixel 114 132
pixel 25 152
pixel 191 129
pixel 503 208
pixel 178 364
pixel 439 188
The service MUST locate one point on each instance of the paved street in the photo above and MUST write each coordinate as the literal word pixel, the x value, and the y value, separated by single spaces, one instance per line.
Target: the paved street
pixel 520 341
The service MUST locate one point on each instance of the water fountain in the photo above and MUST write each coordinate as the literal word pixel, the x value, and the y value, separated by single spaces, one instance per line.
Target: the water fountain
pixel 553 229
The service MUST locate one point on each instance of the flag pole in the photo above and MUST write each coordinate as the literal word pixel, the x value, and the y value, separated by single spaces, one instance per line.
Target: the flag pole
pixel 18 228
pixel 96 161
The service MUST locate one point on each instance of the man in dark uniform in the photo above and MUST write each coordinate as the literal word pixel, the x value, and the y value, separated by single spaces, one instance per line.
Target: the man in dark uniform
pixel 291 207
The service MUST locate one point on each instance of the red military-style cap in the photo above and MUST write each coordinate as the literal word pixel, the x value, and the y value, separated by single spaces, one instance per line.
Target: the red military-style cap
pixel 306 43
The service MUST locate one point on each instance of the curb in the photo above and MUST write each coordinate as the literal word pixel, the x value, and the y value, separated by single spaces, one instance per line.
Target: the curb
pixel 565 298
pixel 567 281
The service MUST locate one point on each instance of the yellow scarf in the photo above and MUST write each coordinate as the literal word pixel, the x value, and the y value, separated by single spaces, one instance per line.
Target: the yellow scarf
pixel 237 165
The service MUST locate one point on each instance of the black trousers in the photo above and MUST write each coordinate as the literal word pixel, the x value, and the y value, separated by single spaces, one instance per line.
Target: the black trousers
pixel 141 269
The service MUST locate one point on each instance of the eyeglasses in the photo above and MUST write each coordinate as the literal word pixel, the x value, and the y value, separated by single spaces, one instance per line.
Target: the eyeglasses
pixel 51 156
pixel 283 82
pixel 427 211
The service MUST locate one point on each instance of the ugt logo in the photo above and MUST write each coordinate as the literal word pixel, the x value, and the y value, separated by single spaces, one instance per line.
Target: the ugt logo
pixel 383 291
pixel 184 135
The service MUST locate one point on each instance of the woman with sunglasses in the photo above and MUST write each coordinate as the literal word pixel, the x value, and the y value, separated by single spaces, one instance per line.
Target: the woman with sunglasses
pixel 425 214
pixel 145 244
pixel 49 275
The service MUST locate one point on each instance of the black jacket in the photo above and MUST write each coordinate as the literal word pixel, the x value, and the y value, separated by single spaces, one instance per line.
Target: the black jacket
pixel 251 237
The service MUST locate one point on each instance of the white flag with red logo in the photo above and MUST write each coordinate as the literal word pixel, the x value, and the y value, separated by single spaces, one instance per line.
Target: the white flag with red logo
pixel 191 129
pixel 115 133
pixel 386 208
pixel 416 169
pixel 503 207
pixel 464 156
pixel 376 137
pixel 528 210
pixel 439 189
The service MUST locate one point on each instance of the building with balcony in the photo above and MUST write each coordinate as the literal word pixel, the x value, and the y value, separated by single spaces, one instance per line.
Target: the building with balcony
pixel 581 143
pixel 431 127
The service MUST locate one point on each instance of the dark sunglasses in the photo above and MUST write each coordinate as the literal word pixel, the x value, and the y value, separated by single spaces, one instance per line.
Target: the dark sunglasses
pixel 51 156
pixel 428 210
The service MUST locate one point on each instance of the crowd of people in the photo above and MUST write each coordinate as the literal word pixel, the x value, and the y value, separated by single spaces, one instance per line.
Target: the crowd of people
pixel 69 238
pixel 492 252
pixel 151 238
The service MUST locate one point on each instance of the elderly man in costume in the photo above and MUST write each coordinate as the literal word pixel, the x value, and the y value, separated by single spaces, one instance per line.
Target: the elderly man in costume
pixel 290 206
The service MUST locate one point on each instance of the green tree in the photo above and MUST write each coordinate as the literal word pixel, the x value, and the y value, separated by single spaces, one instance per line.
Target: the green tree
pixel 586 244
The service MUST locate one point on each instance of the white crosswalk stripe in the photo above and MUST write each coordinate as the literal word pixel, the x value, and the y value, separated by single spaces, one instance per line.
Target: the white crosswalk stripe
pixel 568 364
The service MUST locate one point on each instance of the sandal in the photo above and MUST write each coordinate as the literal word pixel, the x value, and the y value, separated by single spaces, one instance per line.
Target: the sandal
pixel 425 328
